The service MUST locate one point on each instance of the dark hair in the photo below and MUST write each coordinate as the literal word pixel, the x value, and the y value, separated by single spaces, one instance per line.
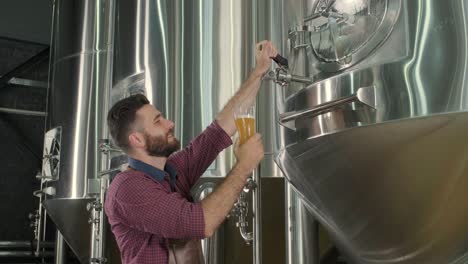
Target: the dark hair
pixel 121 118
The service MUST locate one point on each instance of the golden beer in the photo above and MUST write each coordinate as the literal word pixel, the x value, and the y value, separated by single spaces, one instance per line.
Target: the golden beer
pixel 246 127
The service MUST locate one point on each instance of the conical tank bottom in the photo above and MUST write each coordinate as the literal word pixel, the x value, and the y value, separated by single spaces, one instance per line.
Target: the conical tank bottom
pixel 71 218
pixel 388 193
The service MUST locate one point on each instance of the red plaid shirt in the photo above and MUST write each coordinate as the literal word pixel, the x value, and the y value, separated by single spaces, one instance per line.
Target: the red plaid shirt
pixel 143 212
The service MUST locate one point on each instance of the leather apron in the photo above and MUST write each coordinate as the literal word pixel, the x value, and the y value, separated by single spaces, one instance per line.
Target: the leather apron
pixel 185 251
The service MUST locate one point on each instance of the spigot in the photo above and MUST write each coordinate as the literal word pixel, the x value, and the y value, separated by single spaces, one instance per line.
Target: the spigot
pixel 283 77
pixel 106 147
pixel 96 205
pixel 250 185
pixel 240 210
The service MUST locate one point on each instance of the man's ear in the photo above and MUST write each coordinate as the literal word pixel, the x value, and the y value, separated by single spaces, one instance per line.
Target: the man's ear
pixel 136 140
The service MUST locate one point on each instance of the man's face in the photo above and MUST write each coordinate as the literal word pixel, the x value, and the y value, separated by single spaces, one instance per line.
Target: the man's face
pixel 158 132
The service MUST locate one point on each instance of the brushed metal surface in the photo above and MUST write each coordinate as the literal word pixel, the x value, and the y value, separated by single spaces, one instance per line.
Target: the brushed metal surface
pixel 71 218
pixel 80 82
pixel 387 182
pixel 388 193
pixel 81 57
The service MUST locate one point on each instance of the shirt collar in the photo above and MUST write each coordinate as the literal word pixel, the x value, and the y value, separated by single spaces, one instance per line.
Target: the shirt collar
pixel 152 171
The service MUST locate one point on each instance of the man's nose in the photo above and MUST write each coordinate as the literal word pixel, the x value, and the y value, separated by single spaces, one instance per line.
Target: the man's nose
pixel 169 124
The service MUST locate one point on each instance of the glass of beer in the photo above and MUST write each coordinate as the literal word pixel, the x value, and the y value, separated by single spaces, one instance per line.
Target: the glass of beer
pixel 245 122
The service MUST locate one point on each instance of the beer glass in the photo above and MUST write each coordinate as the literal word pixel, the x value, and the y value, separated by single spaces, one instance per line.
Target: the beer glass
pixel 245 122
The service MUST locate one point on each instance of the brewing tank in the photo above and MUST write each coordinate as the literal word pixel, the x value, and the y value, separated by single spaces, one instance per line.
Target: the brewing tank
pixel 374 140
pixel 80 81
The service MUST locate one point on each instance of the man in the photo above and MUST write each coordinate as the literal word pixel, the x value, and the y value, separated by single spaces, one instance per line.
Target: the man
pixel 149 206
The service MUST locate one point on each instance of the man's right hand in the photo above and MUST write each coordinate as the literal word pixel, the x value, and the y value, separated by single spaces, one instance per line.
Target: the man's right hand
pixel 218 204
pixel 250 153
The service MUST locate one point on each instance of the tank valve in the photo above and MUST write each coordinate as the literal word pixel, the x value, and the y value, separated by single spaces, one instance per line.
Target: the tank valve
pixel 283 77
pixel 240 210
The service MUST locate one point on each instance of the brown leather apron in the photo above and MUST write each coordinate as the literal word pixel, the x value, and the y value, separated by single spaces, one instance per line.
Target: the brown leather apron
pixel 185 251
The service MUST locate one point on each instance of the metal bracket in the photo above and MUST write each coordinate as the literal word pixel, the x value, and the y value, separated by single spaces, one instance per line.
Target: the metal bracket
pixel 364 95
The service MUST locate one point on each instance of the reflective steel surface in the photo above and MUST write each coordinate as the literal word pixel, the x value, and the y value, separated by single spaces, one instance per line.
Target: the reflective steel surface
pixel 345 32
pixel 418 71
pixel 389 193
pixel 71 218
pixel 81 57
pixel 80 81
pixel 189 57
pixel 302 231
pixel 387 182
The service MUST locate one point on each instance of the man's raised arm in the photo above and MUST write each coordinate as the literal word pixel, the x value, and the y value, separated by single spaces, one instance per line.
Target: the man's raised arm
pixel 246 95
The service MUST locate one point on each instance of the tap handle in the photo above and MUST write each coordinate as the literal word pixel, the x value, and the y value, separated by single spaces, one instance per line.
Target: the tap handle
pixel 282 61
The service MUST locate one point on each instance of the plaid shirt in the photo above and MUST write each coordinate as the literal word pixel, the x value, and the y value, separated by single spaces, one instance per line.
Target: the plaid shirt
pixel 144 213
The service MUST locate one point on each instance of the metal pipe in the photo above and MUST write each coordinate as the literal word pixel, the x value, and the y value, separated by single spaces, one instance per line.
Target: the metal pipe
pixel 312 17
pixel 289 223
pixel 21 69
pixel 22 112
pixel 257 214
pixel 98 224
pixel 25 244
pixel 39 230
pixel 24 254
pixel 60 246
pixel 28 83
pixel 300 79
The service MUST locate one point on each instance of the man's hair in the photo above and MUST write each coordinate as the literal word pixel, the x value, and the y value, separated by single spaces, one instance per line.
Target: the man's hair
pixel 121 118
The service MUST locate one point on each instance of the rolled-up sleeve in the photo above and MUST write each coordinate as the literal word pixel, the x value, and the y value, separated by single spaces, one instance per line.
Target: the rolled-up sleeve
pixel 149 208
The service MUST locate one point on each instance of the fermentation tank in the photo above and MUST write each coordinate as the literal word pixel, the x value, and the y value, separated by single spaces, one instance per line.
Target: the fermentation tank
pixel 374 137
pixel 364 126
pixel 80 81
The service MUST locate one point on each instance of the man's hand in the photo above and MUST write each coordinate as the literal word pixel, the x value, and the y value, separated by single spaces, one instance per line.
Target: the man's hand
pixel 250 153
pixel 217 205
pixel 264 52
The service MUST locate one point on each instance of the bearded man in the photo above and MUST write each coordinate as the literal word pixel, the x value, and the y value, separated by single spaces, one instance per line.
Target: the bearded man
pixel 149 207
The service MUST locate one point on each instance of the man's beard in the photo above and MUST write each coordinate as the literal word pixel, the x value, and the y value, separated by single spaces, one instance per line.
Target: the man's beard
pixel 159 146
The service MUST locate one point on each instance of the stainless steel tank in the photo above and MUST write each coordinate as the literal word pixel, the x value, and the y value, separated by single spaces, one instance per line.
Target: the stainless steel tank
pixel 375 139
pixel 80 81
